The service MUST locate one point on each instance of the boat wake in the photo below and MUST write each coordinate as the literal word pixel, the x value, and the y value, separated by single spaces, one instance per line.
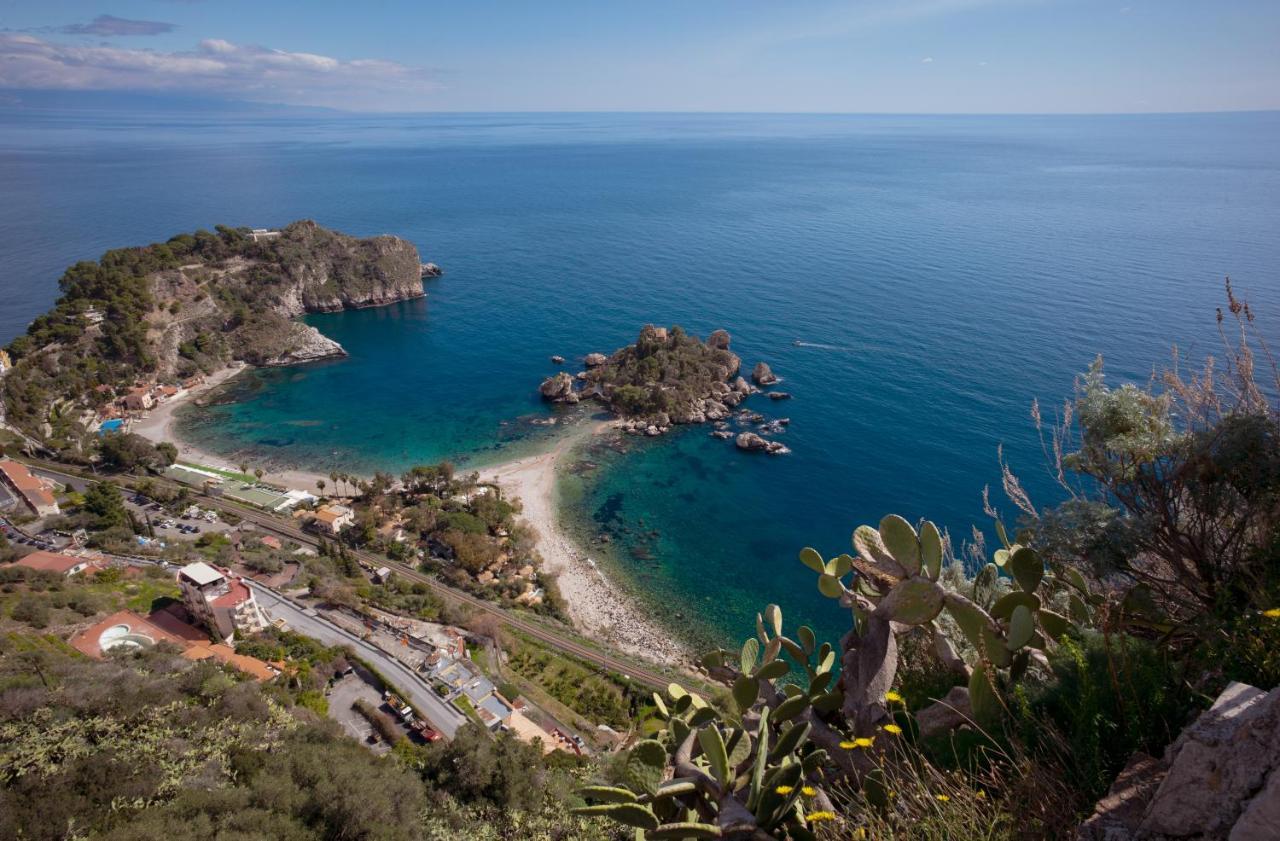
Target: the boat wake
pixel 821 346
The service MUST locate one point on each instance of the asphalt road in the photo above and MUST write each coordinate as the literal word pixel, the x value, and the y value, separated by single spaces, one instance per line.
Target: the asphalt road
pixel 438 714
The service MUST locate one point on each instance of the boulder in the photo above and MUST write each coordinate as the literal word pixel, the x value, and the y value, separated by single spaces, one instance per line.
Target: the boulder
pixel 719 339
pixel 762 374
pixel 689 414
pixel 722 434
pixel 557 360
pixel 741 386
pixel 1219 779
pixel 732 399
pixel 652 431
pixel 754 443
pixel 558 389
pixel 714 409
pixel 595 360
pixel 779 395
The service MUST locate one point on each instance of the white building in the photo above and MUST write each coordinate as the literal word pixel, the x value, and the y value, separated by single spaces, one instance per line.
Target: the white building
pixel 333 518
pixel 221 602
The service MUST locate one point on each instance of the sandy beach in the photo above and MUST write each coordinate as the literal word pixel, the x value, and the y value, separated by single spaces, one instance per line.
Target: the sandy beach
pixel 158 426
pixel 597 606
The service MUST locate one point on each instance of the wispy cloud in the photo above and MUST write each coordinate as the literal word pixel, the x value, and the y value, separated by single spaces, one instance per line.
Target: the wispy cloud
pixel 927 60
pixel 216 67
pixel 110 26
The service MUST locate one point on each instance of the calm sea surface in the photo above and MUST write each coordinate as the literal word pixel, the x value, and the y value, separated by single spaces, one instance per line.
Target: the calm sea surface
pixel 917 281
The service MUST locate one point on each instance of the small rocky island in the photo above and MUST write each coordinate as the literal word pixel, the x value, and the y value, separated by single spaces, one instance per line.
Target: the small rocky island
pixel 667 378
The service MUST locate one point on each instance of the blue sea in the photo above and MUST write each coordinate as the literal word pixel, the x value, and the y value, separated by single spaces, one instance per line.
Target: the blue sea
pixel 916 281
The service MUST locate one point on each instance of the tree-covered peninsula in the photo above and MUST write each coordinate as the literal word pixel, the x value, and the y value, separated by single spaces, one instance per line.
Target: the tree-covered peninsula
pixel 167 312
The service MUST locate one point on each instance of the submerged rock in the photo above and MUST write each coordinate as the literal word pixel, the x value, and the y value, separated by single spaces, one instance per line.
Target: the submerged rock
pixel 779 395
pixel 557 359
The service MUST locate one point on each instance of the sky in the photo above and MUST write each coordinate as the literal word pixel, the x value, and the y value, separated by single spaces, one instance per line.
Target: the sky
pixel 863 56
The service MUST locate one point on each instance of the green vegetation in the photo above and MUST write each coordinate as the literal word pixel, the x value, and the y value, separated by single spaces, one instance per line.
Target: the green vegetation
pixel 452 525
pixel 665 371
pixel 582 688
pixel 47 600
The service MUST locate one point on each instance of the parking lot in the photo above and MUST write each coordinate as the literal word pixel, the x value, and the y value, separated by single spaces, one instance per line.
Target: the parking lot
pixel 168 525
pixel 343 693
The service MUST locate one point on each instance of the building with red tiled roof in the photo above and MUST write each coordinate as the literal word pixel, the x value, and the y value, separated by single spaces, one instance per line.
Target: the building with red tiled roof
pixel 54 562
pixel 34 491
pixel 123 630
pixel 126 630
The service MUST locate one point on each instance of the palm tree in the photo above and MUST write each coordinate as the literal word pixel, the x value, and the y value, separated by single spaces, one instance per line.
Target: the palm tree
pixel 257 471
pixel 333 477
pixel 320 485
pixel 244 468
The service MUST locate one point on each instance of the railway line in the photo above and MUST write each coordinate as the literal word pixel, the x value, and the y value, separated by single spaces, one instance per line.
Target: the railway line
pixel 639 674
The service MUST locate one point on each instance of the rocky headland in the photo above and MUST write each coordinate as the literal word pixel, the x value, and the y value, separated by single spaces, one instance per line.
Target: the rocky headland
pixel 669 378
pixel 191 306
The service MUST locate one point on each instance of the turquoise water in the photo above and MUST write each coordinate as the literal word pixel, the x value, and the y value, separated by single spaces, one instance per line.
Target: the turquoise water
pixel 940 273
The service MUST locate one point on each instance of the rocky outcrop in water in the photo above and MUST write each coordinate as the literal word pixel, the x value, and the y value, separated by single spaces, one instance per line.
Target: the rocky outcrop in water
pixel 762 374
pixel 754 443
pixel 559 389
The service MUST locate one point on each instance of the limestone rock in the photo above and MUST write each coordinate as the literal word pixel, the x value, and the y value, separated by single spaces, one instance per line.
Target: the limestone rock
pixel 719 339
pixel 557 359
pixel 595 360
pixel 779 395
pixel 741 386
pixel 1219 779
pixel 762 374
pixel 305 344
pixel 754 443
pixel 558 389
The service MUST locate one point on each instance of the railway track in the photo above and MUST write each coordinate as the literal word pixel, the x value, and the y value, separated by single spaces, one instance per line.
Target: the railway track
pixel 268 522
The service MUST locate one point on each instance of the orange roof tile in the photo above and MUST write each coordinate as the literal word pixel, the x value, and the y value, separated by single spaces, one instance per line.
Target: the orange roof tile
pixel 51 561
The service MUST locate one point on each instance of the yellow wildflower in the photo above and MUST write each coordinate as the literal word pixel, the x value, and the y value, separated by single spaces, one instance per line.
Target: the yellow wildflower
pixel 808 791
pixel 784 790
pixel 860 742
pixel 1273 613
pixel 814 817
pixel 860 834
pixel 982 794
pixel 892 728
pixel 893 697
pixel 942 798
pixel 847 745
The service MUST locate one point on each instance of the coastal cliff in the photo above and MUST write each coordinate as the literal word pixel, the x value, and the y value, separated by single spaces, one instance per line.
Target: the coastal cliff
pixel 190 306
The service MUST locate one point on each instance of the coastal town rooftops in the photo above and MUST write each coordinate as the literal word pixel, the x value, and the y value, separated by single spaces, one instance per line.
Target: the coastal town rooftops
pixel 201 574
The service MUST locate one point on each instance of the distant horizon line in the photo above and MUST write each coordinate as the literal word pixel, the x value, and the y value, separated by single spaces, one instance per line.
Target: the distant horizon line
pixel 12 98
